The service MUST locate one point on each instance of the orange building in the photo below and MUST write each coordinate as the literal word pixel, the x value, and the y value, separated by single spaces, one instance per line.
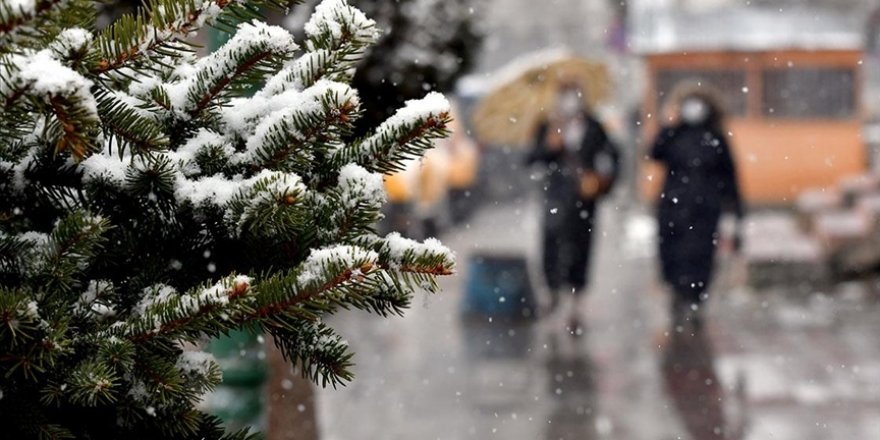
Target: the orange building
pixel 790 85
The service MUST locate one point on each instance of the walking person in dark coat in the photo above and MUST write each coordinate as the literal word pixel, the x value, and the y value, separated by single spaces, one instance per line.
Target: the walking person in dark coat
pixel 582 165
pixel 700 184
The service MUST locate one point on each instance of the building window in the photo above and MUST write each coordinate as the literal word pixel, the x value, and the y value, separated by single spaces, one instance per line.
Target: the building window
pixel 730 85
pixel 821 93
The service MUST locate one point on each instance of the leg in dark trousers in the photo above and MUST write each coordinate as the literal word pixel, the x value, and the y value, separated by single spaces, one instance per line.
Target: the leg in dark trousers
pixel 552 262
pixel 553 244
pixel 578 251
pixel 580 248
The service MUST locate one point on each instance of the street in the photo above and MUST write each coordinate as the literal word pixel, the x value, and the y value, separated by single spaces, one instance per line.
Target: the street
pixel 781 364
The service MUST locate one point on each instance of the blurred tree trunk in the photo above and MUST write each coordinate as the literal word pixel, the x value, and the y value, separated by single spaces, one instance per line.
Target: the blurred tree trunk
pixel 291 401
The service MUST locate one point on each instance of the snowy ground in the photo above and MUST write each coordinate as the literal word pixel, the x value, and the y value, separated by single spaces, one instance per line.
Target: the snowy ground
pixel 774 365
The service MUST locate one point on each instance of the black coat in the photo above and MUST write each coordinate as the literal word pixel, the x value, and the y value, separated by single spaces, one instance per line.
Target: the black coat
pixel 700 184
pixel 569 217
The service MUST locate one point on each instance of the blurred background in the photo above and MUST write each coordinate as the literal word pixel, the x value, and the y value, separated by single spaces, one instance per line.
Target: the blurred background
pixel 791 343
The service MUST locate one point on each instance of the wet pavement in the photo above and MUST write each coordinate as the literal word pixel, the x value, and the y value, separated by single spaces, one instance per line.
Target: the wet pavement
pixel 781 364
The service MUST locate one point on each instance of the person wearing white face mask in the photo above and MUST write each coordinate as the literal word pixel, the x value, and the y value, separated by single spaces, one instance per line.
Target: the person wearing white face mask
pixel 701 183
pixel 694 111
pixel 582 165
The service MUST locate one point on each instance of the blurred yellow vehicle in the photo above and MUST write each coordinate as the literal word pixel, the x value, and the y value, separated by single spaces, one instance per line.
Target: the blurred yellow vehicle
pixel 434 191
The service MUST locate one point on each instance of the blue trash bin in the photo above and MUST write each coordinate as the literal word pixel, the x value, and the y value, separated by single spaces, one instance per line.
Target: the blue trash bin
pixel 499 286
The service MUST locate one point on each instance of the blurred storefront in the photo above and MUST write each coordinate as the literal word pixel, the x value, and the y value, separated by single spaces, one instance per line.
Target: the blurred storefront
pixel 791 81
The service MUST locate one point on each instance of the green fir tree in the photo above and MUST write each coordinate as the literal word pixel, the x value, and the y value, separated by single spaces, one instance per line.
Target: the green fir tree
pixel 150 201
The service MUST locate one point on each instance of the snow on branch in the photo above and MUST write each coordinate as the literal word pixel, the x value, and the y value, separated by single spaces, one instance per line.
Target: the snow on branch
pixel 128 122
pixel 359 188
pixel 340 268
pixel 15 13
pixel 62 91
pixel 198 181
pixel 406 255
pixel 335 23
pixel 162 22
pixel 405 135
pixel 269 205
pixel 71 43
pixel 338 36
pixel 355 203
pixel 255 45
pixel 288 138
pixel 165 312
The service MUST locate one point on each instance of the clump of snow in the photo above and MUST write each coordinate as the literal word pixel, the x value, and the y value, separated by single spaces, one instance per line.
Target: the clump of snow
pixel 357 185
pixel 399 248
pixel 107 166
pixel 138 391
pixel 243 114
pixel 214 189
pixel 433 105
pixel 303 106
pixel 31 311
pixel 24 8
pixel 210 11
pixel 276 184
pixel 267 188
pixel 158 296
pixel 19 178
pixel 46 77
pixel 204 139
pixel 282 81
pixel 276 38
pixel 92 303
pixel 223 63
pixel 217 294
pixel 319 260
pixel 144 86
pixel 337 19
pixel 153 295
pixel 38 239
pixel 71 40
pixel 195 362
pixel 306 71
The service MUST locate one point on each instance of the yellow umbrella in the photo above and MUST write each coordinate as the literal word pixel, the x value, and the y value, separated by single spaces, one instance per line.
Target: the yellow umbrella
pixel 509 114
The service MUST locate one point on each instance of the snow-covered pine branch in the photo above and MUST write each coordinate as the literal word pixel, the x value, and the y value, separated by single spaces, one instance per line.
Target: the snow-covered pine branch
pixel 309 123
pixel 64 93
pixel 158 29
pixel 164 312
pixel 338 36
pixel 128 123
pixel 148 199
pixel 271 206
pixel 406 135
pixel 352 205
pixel 255 48
pixel 16 13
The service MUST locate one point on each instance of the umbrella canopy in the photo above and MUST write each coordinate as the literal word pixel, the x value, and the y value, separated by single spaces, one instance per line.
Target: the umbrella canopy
pixel 510 113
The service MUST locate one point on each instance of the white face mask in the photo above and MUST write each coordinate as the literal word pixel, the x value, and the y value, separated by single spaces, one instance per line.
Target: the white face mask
pixel 570 104
pixel 694 111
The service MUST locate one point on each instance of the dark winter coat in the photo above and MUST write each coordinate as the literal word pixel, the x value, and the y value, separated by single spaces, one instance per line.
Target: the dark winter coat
pixel 569 217
pixel 700 184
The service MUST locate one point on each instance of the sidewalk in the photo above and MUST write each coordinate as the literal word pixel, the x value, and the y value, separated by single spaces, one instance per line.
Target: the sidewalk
pixel 773 365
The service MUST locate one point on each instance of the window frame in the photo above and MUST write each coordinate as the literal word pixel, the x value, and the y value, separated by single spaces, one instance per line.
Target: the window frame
pixel 852 111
